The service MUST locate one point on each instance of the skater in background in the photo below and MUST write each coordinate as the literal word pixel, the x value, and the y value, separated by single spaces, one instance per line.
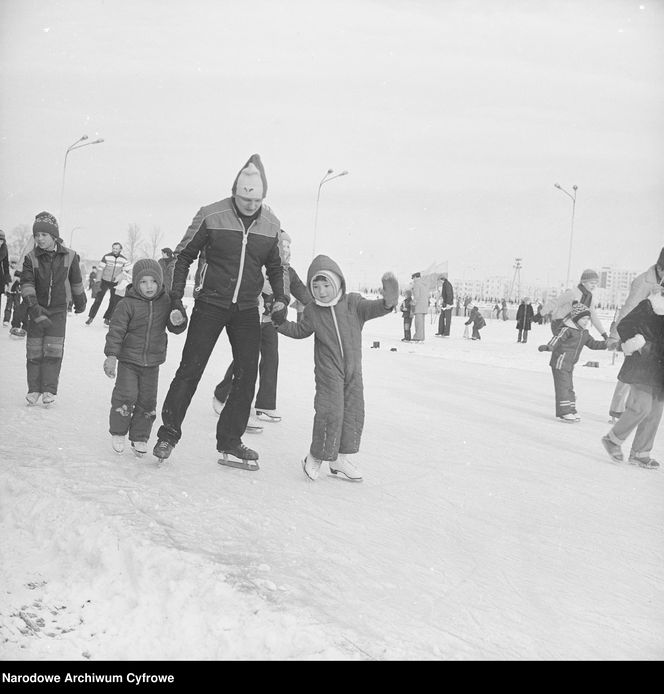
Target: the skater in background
pixel 13 292
pixel 136 344
pixel 642 286
pixel 111 267
pixel 420 305
pixel 407 314
pixel 537 318
pixel 496 310
pixel 336 320
pixel 582 293
pixel 167 262
pixel 5 272
pixel 476 319
pixel 50 279
pixel 642 335
pixel 265 405
pixel 524 318
pixel 446 303
pixel 566 348
pixel 503 308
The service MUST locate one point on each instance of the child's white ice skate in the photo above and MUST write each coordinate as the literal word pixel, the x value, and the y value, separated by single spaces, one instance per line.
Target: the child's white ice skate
pixel 311 467
pixel 118 443
pixel 344 469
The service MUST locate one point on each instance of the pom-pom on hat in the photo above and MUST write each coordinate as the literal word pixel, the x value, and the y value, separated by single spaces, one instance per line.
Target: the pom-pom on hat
pixel 146 266
pixel 589 276
pixel 251 181
pixel 46 223
pixel 578 311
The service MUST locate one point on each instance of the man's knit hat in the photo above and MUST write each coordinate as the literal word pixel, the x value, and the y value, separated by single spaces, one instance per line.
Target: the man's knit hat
pixel 146 266
pixel 2 234
pixel 46 223
pixel 589 276
pixel 660 260
pixel 251 180
pixel 168 251
pixel 578 311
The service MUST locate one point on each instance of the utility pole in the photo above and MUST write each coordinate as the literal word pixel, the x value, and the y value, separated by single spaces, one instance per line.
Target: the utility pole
pixel 516 279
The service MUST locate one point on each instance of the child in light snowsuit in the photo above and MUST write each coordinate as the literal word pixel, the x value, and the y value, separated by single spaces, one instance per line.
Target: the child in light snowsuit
pixel 566 347
pixel 478 322
pixel 336 319
pixel 642 333
pixel 137 339
pixel 50 279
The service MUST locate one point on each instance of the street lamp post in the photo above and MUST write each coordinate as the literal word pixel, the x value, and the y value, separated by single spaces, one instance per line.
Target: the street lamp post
pixel 571 232
pixel 76 145
pixel 330 175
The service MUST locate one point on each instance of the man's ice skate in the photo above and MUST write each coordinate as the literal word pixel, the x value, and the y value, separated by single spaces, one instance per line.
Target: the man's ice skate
pixel 140 448
pixel 253 425
pixel 32 399
pixel 268 415
pixel 118 443
pixel 344 469
pixel 239 456
pixel 643 461
pixel 17 333
pixel 48 399
pixel 569 417
pixel 162 449
pixel 311 467
pixel 613 449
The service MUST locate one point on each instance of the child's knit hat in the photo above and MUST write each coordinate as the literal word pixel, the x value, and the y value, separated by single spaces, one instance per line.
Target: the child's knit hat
pixel 578 311
pixel 2 234
pixel 143 267
pixel 46 223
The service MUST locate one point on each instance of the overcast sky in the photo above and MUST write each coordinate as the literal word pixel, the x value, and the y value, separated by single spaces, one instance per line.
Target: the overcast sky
pixel 454 120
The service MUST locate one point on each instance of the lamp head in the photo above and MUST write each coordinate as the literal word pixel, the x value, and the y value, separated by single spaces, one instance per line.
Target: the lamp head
pixel 556 185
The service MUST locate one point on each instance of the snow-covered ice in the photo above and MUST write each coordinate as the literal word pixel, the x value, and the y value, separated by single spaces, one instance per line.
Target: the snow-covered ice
pixel 485 528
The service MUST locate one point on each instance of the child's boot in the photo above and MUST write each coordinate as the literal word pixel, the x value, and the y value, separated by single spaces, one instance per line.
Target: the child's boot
pixel 32 399
pixel 118 443
pixel 311 467
pixel 343 468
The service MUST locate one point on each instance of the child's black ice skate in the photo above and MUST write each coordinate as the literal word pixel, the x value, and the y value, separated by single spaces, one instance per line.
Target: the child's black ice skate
pixel 240 457
pixel 162 449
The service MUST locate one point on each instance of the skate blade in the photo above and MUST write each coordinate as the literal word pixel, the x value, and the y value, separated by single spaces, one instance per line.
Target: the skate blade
pixel 340 476
pixel 267 418
pixel 253 430
pixel 240 464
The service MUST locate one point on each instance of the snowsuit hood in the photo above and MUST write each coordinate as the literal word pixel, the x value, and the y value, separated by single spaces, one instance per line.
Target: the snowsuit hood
pixel 325 263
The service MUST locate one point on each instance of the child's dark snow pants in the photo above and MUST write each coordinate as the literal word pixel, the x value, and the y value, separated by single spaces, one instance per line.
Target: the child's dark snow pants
pixel 134 401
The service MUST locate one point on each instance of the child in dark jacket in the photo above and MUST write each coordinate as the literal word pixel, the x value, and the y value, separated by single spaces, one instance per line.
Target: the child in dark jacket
pixel 566 346
pixel 478 322
pixel 407 313
pixel 336 319
pixel 137 339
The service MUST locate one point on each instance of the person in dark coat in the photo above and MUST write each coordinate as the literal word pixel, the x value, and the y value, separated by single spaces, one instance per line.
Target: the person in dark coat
pixel 642 335
pixel 167 262
pixel 447 302
pixel 240 237
pixel 336 320
pixel 136 344
pixel 5 271
pixel 50 279
pixel 524 318
pixel 566 346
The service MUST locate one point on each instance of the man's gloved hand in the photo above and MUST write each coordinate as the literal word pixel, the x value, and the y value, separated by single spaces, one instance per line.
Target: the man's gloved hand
pixel 390 289
pixel 110 366
pixel 279 312
pixel 178 314
pixel 612 343
pixel 39 317
pixel 543 348
pixel 80 302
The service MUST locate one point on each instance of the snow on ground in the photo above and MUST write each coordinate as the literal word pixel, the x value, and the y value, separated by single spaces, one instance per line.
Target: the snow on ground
pixel 485 528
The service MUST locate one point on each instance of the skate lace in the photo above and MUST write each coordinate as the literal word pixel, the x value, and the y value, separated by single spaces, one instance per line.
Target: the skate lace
pixel 163 445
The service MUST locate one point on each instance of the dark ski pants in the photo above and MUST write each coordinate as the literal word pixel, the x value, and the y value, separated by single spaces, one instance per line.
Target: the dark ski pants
pixel 112 301
pixel 134 401
pixel 564 389
pixel 268 371
pixel 444 322
pixel 205 326
pixel 13 302
pixel 20 317
pixel 407 322
pixel 44 351
pixel 523 336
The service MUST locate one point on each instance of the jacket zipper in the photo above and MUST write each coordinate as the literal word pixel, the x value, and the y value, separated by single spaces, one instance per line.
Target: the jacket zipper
pixel 147 336
pixel 245 238
pixel 336 327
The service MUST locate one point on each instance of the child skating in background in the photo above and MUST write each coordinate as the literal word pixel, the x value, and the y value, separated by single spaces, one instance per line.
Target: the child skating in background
pixel 336 319
pixel 566 346
pixel 136 344
pixel 477 320
pixel 407 313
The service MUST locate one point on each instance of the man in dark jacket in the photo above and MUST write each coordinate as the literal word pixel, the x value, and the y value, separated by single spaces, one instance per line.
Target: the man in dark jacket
pixel 111 267
pixel 166 262
pixel 50 279
pixel 447 301
pixel 240 236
